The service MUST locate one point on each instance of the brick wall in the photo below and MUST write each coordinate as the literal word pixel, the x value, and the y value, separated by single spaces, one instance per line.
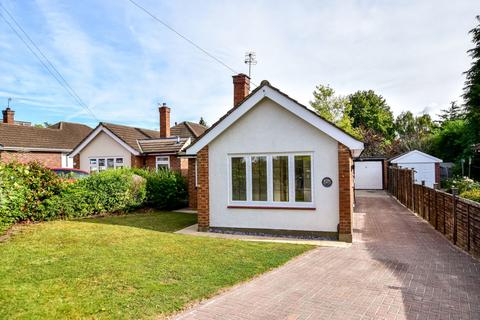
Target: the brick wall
pixel 49 159
pixel 192 188
pixel 345 186
pixel 76 161
pixel 203 198
pixel 176 164
pixel 137 162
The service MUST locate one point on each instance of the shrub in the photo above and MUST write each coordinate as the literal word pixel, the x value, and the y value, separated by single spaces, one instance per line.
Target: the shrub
pixel 104 192
pixel 463 184
pixel 471 195
pixel 165 189
pixel 23 190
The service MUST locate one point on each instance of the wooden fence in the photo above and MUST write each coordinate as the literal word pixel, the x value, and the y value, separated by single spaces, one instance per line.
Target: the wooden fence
pixel 457 218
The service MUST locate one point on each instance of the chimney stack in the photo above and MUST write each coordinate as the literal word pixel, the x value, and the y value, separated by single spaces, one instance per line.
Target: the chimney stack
pixel 241 88
pixel 8 116
pixel 164 121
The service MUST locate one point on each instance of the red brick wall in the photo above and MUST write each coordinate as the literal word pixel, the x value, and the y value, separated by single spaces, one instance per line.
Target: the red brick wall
pixel 48 159
pixel 76 161
pixel 192 189
pixel 176 164
pixel 203 198
pixel 137 162
pixel 345 185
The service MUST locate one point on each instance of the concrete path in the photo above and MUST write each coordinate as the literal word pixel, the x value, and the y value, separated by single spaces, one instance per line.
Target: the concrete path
pixel 397 268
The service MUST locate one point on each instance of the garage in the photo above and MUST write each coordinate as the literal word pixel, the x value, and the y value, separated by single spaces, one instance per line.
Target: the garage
pixel 369 173
pixel 426 167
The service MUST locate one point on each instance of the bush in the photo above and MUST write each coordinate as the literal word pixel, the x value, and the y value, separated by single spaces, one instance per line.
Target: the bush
pixel 463 184
pixel 105 192
pixel 165 189
pixel 23 190
pixel 471 195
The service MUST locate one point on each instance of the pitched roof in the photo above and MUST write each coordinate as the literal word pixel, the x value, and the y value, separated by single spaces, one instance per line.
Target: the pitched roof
pixel 130 135
pixel 59 136
pixel 187 129
pixel 173 145
pixel 267 90
pixel 140 141
pixel 414 156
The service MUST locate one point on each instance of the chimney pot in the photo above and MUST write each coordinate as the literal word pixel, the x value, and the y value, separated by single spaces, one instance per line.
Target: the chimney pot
pixel 164 121
pixel 241 88
pixel 8 116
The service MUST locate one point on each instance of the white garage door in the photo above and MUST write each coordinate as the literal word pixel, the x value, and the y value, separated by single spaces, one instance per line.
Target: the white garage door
pixel 423 171
pixel 368 175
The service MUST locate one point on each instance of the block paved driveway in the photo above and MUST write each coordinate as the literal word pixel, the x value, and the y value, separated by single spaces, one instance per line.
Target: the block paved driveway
pixel 397 268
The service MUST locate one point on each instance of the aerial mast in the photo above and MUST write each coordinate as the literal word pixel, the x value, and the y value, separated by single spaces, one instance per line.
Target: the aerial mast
pixel 251 60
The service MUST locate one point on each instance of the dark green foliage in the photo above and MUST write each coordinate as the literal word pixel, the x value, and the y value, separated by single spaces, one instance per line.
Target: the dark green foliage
pixel 369 110
pixel 454 112
pixel 105 192
pixel 33 193
pixel 472 87
pixel 449 143
pixel 165 189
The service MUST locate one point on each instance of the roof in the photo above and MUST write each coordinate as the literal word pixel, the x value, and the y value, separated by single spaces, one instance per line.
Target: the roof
pixel 172 145
pixel 414 156
pixel 266 90
pixel 141 141
pixel 62 136
pixel 130 135
pixel 188 129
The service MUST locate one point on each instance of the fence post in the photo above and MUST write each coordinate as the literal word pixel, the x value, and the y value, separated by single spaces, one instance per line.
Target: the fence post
pixel 454 193
pixel 423 199
pixel 468 227
pixel 435 188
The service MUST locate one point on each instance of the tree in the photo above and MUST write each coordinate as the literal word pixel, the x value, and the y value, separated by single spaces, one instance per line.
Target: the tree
pixel 369 110
pixel 203 122
pixel 472 87
pixel 333 108
pixel 405 124
pixel 454 112
pixel 449 143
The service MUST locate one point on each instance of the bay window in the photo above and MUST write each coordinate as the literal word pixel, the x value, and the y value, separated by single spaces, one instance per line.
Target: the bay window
pixel 271 180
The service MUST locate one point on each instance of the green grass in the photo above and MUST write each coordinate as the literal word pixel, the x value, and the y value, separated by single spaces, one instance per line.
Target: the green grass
pixel 122 267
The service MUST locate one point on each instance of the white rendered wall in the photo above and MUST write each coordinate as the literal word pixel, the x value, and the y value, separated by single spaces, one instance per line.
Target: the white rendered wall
pixel 103 146
pixel 270 128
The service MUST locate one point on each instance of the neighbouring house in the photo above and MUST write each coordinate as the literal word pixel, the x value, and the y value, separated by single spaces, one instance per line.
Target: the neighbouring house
pixel 272 165
pixel 111 146
pixel 19 141
pixel 425 166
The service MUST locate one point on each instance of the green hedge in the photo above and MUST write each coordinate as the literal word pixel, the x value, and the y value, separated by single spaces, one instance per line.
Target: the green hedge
pixel 33 193
pixel 165 189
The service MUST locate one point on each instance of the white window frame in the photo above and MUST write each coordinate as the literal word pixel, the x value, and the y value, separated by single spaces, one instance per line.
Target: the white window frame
pixel 160 160
pixel 115 166
pixel 291 203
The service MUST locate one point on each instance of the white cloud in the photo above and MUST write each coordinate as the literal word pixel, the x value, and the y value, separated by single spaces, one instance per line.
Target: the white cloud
pixel 122 62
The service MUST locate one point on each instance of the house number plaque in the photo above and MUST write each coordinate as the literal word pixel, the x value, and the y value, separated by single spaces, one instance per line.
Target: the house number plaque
pixel 327 182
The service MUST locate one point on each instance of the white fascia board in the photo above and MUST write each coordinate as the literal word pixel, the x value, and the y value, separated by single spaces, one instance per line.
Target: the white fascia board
pixel 110 134
pixel 298 110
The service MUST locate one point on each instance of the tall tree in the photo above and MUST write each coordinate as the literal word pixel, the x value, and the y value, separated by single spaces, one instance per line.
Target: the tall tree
pixel 369 110
pixel 472 86
pixel 333 108
pixel 454 112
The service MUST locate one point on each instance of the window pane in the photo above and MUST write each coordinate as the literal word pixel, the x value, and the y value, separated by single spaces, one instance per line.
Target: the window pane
pixel 239 179
pixel 303 179
pixel 280 178
pixel 110 163
pixel 162 166
pixel 259 178
pixel 119 160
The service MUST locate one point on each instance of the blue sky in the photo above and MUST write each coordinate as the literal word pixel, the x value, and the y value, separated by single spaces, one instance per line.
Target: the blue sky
pixel 122 63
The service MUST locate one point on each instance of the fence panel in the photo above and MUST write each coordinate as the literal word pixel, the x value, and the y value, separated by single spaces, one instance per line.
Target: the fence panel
pixel 457 218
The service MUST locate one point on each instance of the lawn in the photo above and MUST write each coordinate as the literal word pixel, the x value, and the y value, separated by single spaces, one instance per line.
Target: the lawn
pixel 122 267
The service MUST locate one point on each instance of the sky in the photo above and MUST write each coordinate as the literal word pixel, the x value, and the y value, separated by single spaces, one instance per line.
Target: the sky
pixel 122 63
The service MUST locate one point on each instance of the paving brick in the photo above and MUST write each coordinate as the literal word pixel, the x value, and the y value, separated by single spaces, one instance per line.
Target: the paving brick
pixel 397 268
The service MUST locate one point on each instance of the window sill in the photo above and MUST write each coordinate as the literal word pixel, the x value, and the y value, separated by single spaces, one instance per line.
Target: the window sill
pixel 270 207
